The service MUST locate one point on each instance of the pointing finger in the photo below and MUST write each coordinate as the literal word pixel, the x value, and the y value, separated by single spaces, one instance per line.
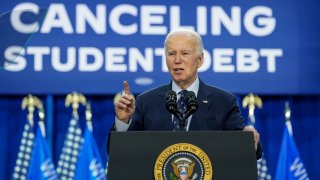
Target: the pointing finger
pixel 126 87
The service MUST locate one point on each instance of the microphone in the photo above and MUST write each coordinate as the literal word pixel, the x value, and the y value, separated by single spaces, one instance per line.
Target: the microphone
pixel 171 101
pixel 171 104
pixel 192 105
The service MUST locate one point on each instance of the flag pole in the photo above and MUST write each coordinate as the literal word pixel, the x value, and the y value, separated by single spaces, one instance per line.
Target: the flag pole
pixel 251 101
pixel 89 116
pixel 21 168
pixel 41 164
pixel 287 115
pixel 73 141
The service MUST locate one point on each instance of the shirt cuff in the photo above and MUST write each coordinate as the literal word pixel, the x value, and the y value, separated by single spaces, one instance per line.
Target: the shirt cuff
pixel 122 126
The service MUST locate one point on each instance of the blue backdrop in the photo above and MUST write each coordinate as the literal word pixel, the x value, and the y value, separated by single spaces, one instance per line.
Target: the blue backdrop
pixel 92 47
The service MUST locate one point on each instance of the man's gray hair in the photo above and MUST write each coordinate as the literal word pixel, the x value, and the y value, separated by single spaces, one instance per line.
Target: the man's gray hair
pixel 186 32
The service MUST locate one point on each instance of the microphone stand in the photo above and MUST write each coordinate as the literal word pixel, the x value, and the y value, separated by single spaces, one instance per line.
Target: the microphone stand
pixel 171 106
pixel 183 119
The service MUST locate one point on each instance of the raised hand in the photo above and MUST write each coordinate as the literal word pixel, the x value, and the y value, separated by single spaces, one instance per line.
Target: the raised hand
pixel 125 107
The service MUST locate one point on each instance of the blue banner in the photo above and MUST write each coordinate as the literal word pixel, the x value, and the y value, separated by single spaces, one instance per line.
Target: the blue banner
pixel 265 47
pixel 290 165
pixel 41 165
pixel 89 163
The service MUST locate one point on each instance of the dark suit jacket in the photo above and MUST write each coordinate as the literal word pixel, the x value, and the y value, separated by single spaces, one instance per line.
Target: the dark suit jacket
pixel 218 110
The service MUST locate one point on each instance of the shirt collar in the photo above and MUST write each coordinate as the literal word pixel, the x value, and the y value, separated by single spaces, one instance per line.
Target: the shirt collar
pixel 193 87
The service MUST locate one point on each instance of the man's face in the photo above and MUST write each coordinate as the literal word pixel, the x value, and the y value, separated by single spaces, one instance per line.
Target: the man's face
pixel 183 59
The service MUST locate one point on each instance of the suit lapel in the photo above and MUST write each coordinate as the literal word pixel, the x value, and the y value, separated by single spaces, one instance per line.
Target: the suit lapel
pixel 165 114
pixel 204 103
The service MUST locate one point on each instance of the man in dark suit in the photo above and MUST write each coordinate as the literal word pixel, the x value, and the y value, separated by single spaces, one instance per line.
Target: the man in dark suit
pixel 218 109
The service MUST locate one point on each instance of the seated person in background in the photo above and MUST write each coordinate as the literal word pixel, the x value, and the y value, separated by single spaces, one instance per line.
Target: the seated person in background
pixel 218 109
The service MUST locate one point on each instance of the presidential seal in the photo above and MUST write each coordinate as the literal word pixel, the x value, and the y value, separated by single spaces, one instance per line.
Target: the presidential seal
pixel 183 161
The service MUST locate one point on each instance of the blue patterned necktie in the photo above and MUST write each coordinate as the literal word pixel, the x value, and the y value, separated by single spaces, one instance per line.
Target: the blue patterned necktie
pixel 182 108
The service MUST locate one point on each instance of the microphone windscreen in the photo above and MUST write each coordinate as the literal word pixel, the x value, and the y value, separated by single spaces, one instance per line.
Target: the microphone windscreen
pixel 171 95
pixel 171 101
pixel 191 101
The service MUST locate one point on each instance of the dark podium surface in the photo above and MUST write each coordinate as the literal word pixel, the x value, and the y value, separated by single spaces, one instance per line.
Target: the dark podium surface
pixel 132 155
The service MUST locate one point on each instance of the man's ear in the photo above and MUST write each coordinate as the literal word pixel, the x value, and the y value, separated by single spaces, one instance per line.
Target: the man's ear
pixel 200 60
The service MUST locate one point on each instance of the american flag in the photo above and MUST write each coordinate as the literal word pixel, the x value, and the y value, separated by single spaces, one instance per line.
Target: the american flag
pixel 70 151
pixel 263 173
pixel 24 155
